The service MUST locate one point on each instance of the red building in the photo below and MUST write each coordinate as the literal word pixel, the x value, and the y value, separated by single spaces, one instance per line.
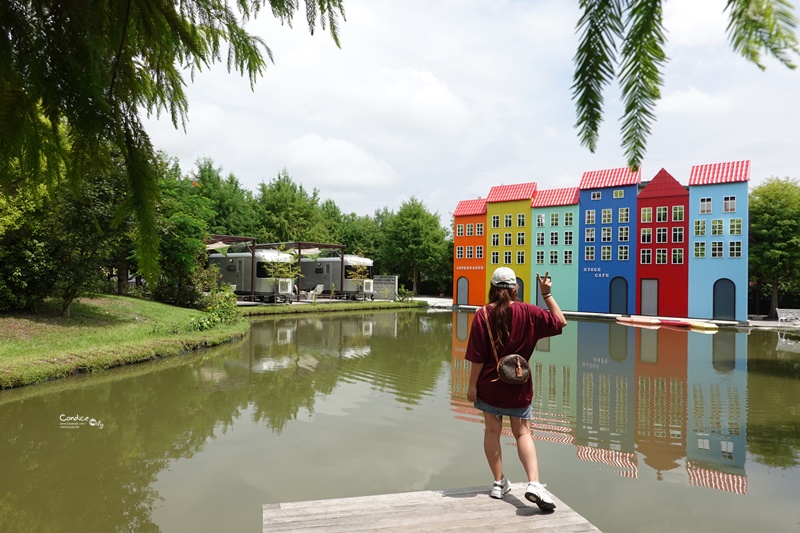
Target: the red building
pixel 469 263
pixel 662 273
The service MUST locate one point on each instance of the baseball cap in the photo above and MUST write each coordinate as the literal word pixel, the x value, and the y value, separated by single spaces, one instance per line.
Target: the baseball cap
pixel 504 278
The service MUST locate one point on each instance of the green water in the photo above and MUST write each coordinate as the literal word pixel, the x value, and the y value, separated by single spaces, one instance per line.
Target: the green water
pixel 637 429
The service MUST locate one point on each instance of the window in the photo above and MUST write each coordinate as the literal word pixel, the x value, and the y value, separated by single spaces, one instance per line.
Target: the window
pixel 520 257
pixel 729 204
pixel 540 220
pixel 479 252
pixel 495 239
pixel 540 238
pixel 567 238
pixel 507 238
pixel 596 195
pixel 506 258
pixel 495 257
pixel 469 252
pixel 647 235
pixel 661 235
pixel 495 221
pixel 540 257
pixel 735 226
pixel 479 229
pixel 623 253
pixel 553 238
pixel 677 256
pixel 705 206
pixel 646 256
pixel 469 229
pixel 459 252
pixel 624 215
pixel 460 230
pixel 567 257
pixel 590 216
pixel 554 219
pixel 605 216
pixel 605 253
pixel 619 193
pixel 589 235
pixel 661 256
pixel 623 234
pixel 647 214
pixel 717 249
pixel 699 228
pixel 568 219
pixel 605 234
pixel 553 257
pixel 507 221
pixel 661 214
pixel 700 250
pixel 677 234
pixel 521 238
pixel 716 226
pixel 677 213
pixel 588 253
pixel 735 249
pixel 521 220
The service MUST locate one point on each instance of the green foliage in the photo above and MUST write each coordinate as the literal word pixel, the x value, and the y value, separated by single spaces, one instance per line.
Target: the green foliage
pixel 403 294
pixel 286 212
pixel 222 309
pixel 230 207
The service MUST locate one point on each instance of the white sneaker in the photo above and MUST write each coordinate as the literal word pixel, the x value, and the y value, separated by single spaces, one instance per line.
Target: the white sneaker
pixel 537 493
pixel 500 488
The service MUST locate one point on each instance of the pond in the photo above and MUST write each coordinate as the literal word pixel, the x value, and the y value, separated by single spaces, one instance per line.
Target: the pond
pixel 637 429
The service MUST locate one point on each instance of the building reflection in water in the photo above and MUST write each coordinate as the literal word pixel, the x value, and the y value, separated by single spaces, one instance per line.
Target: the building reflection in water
pixel 668 397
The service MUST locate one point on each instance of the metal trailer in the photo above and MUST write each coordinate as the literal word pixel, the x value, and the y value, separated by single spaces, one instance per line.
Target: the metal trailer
pixel 237 271
pixel 327 271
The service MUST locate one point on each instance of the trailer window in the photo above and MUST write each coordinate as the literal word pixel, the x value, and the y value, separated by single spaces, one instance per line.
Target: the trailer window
pixel 318 270
pixel 231 268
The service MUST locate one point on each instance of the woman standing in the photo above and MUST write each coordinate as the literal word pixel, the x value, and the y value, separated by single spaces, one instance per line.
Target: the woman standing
pixel 516 327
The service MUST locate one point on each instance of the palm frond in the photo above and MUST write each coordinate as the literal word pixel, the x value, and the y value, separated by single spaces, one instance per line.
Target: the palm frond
pixel 768 25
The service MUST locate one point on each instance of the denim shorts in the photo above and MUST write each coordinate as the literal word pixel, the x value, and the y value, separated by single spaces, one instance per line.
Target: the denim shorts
pixel 517 412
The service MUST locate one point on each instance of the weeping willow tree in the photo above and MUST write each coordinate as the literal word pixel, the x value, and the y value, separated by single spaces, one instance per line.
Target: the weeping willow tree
pixel 90 68
pixel 624 39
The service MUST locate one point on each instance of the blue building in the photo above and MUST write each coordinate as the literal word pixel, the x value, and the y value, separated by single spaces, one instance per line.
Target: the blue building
pixel 607 267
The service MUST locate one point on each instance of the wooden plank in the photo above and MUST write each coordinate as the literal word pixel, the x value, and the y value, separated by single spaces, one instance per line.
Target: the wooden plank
pixel 465 509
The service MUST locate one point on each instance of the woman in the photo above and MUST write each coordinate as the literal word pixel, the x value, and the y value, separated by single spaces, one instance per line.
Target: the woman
pixel 516 327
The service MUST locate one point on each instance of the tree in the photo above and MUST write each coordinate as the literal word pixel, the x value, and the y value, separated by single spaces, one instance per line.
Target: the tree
pixel 774 255
pixel 287 212
pixel 231 206
pixel 92 66
pixel 414 242
pixel 636 25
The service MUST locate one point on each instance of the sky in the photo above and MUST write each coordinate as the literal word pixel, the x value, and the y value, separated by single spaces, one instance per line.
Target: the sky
pixel 441 100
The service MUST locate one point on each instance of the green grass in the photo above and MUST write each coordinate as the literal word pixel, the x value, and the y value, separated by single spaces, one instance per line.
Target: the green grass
pixel 107 331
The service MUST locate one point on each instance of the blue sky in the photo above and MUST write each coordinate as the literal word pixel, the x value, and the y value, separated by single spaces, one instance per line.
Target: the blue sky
pixel 442 100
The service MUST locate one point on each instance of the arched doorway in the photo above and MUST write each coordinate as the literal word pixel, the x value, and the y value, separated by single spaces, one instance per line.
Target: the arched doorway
pixel 520 290
pixel 618 296
pixel 462 291
pixel 724 300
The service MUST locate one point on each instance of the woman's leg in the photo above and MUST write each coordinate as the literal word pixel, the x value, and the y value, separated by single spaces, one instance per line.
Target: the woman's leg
pixel 493 424
pixel 526 449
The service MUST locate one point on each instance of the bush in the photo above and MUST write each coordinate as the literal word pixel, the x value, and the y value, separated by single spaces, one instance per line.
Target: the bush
pixel 222 309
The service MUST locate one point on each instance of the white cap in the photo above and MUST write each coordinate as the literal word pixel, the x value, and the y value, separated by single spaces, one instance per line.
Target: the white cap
pixel 504 278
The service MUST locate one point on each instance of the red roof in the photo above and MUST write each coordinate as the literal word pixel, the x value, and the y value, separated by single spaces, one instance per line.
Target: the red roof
pixel 556 197
pixel 715 173
pixel 663 185
pixel 510 193
pixel 470 207
pixel 612 177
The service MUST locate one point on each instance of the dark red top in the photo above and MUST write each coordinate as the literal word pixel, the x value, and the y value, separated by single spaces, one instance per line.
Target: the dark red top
pixel 528 323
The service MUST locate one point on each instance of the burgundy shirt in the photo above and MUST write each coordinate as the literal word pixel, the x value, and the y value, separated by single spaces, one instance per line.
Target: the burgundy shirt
pixel 528 323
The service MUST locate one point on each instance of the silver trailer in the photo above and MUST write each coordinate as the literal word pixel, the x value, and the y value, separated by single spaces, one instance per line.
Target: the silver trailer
pixel 237 271
pixel 327 271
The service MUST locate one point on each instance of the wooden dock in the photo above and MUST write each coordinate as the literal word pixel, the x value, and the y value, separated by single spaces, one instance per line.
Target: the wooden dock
pixel 469 509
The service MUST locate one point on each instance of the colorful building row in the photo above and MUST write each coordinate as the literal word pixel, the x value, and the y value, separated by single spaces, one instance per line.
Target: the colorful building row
pixel 615 244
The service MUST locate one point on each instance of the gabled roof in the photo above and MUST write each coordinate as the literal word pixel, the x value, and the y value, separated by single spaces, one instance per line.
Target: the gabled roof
pixel 470 207
pixel 510 193
pixel 663 184
pixel 557 197
pixel 612 177
pixel 731 172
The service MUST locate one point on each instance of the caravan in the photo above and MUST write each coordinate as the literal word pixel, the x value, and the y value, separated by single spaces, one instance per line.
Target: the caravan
pixel 327 271
pixel 237 270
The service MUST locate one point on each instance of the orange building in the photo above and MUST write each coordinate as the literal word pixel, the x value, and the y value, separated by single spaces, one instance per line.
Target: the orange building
pixel 469 263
